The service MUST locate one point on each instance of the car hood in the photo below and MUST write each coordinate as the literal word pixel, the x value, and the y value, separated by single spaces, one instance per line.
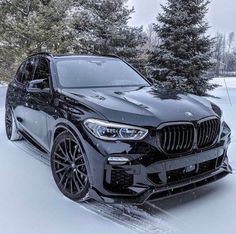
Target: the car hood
pixel 142 106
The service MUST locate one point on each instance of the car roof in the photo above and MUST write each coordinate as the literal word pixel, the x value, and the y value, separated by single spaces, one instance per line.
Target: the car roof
pixel 66 56
pixel 84 56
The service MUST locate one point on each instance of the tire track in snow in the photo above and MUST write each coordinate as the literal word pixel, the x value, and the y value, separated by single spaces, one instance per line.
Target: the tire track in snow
pixel 154 209
pixel 133 217
pixel 32 151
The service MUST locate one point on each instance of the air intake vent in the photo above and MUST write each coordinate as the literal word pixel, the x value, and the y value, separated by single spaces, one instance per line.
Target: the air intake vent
pixel 208 132
pixel 177 138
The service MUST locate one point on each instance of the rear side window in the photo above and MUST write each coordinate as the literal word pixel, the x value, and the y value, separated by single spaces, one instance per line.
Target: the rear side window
pixel 43 71
pixel 19 73
pixel 28 71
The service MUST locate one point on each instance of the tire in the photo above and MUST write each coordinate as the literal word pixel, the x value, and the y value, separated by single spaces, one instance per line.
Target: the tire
pixel 69 169
pixel 10 126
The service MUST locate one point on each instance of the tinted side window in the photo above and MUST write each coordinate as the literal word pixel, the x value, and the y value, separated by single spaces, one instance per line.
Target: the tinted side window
pixel 19 73
pixel 28 71
pixel 43 71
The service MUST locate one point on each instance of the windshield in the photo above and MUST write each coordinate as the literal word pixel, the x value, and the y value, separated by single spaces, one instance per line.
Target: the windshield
pixel 96 72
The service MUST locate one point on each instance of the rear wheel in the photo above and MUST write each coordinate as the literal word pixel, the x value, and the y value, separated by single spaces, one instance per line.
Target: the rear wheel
pixel 10 126
pixel 69 167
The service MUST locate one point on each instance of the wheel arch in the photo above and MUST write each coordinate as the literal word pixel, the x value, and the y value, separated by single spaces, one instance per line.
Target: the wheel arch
pixel 66 126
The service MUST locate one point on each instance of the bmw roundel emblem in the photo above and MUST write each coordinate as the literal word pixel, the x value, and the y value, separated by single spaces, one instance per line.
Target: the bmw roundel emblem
pixel 188 114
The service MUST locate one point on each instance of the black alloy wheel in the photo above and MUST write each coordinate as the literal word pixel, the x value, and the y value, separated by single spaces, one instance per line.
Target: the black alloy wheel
pixel 69 167
pixel 10 126
pixel 8 122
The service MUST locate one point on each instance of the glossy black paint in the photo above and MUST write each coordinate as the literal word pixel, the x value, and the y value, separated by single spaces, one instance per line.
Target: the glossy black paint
pixel 41 116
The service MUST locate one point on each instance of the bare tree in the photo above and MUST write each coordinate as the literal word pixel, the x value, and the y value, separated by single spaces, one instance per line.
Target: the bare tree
pixel 218 54
pixel 230 41
pixel 229 57
pixel 224 54
pixel 152 37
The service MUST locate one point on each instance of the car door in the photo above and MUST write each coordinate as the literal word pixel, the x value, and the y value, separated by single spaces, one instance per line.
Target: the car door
pixel 18 91
pixel 38 104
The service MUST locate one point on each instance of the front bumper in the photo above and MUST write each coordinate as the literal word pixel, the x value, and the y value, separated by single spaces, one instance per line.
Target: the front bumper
pixel 157 186
pixel 152 175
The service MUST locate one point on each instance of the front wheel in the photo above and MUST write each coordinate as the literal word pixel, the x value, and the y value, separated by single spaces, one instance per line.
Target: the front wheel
pixel 10 126
pixel 69 167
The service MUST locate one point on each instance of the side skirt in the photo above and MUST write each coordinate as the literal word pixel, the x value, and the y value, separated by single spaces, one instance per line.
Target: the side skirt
pixel 34 143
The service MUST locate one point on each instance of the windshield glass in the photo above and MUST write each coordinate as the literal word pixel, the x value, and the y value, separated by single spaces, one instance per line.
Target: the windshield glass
pixel 96 72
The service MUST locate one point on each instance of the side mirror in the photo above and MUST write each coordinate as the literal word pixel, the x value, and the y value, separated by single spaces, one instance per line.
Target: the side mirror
pixel 38 86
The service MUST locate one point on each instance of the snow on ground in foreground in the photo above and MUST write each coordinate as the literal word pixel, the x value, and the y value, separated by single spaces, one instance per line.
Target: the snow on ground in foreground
pixel 31 204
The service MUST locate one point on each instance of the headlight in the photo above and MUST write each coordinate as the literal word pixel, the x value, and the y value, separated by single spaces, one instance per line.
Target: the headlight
pixel 112 131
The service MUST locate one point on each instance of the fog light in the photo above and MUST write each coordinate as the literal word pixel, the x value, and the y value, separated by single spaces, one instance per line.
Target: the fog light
pixel 190 169
pixel 118 160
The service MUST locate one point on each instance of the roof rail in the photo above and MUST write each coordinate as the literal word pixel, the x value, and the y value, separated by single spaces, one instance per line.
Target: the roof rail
pixel 112 56
pixel 42 53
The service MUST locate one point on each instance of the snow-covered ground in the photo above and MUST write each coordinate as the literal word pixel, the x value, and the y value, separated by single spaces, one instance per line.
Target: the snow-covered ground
pixel 30 202
pixel 3 83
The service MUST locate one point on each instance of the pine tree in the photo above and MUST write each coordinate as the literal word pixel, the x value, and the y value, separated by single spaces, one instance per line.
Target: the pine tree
pixel 101 27
pixel 184 55
pixel 29 26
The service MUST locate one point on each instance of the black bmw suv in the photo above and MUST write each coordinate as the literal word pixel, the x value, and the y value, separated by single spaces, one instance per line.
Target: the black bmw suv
pixel 110 134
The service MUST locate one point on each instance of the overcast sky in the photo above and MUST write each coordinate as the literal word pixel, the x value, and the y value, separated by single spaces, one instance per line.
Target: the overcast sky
pixel 221 16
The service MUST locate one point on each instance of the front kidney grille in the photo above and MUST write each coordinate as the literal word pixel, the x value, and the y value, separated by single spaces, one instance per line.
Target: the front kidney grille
pixel 177 138
pixel 180 138
pixel 208 132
